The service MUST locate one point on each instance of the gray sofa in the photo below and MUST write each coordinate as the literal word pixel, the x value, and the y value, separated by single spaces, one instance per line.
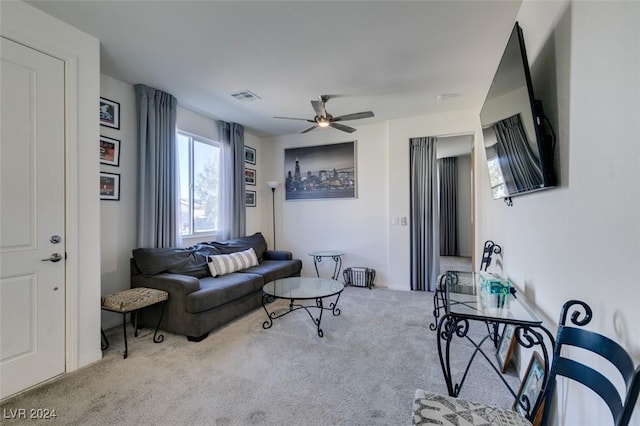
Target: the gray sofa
pixel 199 303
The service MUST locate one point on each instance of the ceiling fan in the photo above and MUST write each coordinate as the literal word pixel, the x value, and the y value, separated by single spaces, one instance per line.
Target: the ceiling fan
pixel 324 119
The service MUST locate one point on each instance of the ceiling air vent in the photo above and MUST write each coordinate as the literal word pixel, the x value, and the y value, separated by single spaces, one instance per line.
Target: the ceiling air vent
pixel 245 96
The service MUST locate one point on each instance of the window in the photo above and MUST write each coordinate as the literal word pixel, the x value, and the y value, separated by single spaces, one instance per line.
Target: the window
pixel 199 174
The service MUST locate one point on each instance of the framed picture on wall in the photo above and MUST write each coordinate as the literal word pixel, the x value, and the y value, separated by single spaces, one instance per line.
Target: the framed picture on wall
pixel 319 172
pixel 109 151
pixel 249 155
pixel 109 113
pixel 250 198
pixel 249 176
pixel 109 186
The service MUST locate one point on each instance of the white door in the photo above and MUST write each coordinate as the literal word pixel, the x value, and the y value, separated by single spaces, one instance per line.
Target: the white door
pixel 32 290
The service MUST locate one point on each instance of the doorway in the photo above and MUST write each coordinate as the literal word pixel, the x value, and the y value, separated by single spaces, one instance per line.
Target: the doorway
pixel 456 184
pixel 429 191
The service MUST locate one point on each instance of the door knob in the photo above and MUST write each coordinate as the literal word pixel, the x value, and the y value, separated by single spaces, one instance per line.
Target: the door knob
pixel 55 257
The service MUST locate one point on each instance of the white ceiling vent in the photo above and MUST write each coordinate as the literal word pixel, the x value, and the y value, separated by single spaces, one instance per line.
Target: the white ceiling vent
pixel 245 96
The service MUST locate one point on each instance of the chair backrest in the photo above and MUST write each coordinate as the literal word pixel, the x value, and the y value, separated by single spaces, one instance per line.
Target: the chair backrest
pixel 489 249
pixel 621 406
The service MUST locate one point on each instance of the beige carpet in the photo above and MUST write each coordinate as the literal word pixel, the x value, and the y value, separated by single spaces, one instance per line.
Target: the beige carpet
pixel 364 371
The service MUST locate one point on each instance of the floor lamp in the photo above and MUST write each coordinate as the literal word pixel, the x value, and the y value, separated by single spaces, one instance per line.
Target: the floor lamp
pixel 273 184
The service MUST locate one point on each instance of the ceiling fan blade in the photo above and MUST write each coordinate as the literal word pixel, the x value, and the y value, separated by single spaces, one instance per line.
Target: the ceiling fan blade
pixel 354 116
pixel 308 129
pixel 318 107
pixel 295 118
pixel 343 127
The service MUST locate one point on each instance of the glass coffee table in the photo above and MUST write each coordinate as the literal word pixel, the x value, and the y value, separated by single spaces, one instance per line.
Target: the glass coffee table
pixel 302 288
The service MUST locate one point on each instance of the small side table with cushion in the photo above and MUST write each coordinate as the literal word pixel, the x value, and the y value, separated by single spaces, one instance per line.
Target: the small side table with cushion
pixel 132 300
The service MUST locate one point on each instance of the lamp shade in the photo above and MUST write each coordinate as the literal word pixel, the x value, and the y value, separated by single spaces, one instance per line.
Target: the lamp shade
pixel 273 184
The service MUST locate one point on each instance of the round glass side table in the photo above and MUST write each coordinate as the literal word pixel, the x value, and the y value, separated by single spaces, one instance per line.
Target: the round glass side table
pixel 335 255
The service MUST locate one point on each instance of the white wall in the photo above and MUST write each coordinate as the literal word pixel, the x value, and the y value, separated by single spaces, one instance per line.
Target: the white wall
pixel 359 226
pixel 581 240
pixel 118 218
pixel 80 52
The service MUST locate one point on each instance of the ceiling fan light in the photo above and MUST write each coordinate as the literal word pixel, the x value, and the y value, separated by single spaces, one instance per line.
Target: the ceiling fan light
pixel 323 123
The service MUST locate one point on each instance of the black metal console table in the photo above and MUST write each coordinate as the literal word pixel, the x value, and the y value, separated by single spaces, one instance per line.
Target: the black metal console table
pixel 463 302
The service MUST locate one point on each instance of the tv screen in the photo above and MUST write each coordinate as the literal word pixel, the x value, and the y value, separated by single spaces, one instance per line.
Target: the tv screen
pixel 519 152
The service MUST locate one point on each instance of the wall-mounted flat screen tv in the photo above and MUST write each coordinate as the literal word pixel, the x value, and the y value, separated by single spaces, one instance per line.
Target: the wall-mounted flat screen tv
pixel 519 152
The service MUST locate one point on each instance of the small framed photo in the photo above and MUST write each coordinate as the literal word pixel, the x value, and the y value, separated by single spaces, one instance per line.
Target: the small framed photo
pixel 531 387
pixel 506 346
pixel 249 155
pixel 109 113
pixel 250 198
pixel 249 176
pixel 109 186
pixel 109 151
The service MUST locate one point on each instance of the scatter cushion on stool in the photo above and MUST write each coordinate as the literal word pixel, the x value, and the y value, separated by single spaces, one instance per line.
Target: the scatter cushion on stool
pixel 132 299
pixel 432 408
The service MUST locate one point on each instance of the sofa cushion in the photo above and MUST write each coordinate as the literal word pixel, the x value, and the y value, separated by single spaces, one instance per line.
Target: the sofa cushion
pixel 272 270
pixel 215 292
pixel 223 264
pixel 255 241
pixel 188 261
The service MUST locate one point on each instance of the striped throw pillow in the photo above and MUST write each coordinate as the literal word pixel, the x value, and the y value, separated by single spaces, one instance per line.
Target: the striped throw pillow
pixel 223 264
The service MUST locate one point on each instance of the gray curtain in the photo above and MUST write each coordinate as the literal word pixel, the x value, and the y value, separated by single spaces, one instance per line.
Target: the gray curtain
pixel 519 163
pixel 232 217
pixel 448 171
pixel 425 237
pixel 158 193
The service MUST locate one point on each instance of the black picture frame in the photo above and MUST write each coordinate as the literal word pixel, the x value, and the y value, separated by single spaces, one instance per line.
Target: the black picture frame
pixel 109 151
pixel 109 186
pixel 249 176
pixel 109 113
pixel 249 155
pixel 250 198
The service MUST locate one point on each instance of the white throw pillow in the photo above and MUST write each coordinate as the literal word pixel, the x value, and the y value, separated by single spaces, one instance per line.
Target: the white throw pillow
pixel 223 264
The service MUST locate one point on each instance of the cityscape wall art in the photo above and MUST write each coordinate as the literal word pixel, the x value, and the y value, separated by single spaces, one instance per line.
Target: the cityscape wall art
pixel 321 171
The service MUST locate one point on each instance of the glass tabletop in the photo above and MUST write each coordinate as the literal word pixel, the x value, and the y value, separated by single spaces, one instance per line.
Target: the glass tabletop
pixel 326 253
pixel 465 298
pixel 303 288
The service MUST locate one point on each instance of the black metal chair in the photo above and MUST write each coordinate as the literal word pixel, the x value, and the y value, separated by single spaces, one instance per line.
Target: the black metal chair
pixel 490 248
pixel 429 408
pixel 620 405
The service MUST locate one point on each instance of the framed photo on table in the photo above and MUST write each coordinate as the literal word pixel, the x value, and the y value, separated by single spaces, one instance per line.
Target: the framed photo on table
pixel 109 113
pixel 530 388
pixel 109 151
pixel 506 346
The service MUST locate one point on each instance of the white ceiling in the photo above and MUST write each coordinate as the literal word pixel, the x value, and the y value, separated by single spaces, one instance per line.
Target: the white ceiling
pixel 391 57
